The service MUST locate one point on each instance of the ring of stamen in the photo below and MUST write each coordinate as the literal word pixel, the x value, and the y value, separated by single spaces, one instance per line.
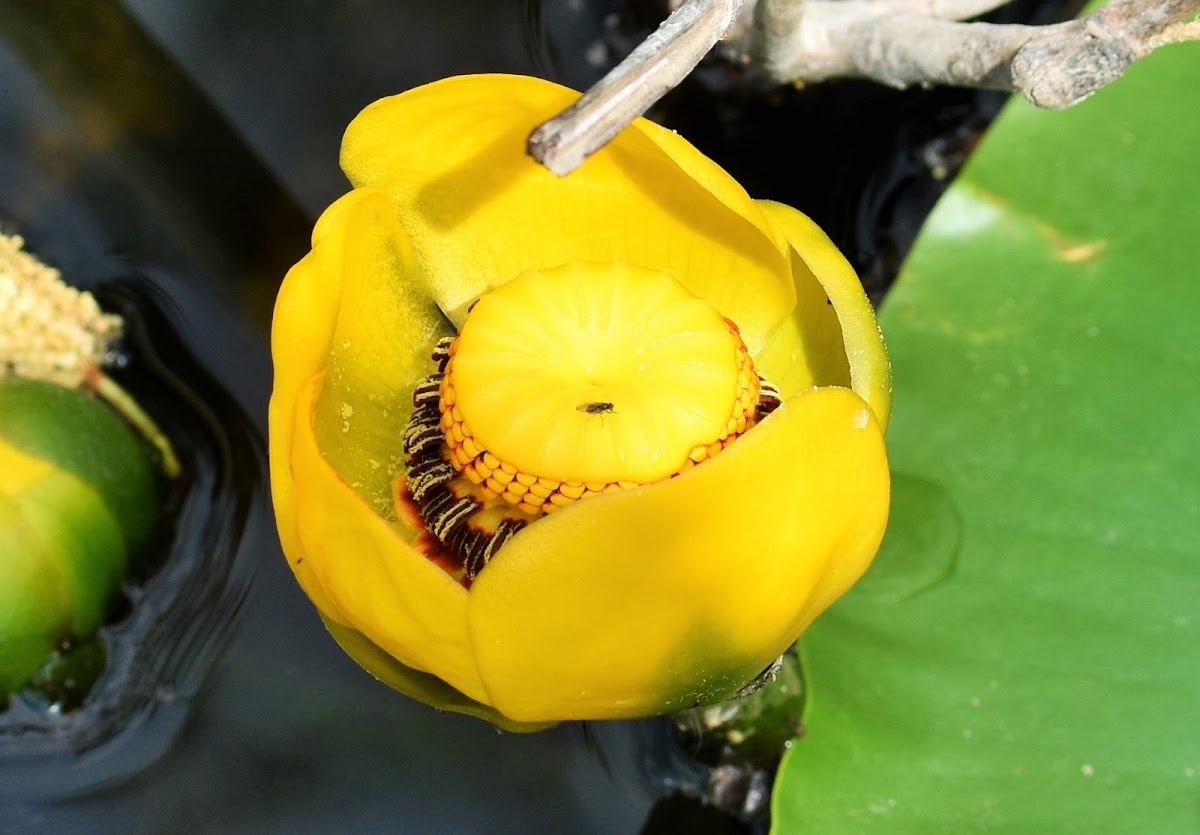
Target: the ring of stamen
pixel 585 379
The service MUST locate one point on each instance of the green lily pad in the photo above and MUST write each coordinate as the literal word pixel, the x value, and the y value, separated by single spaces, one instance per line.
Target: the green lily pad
pixel 1045 677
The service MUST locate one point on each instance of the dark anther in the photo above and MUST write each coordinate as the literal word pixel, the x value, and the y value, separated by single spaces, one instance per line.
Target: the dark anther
pixel 427 474
pixel 437 505
pixel 457 536
pixel 768 398
pixel 505 531
pixel 473 546
pixel 440 525
pixel 441 352
pixel 443 502
pixel 427 391
pixel 422 432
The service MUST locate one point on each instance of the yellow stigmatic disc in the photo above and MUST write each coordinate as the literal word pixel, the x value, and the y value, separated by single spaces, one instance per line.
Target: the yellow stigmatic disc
pixel 589 378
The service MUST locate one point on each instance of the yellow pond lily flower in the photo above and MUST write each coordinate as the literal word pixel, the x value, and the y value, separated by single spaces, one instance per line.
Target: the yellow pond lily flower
pixel 583 448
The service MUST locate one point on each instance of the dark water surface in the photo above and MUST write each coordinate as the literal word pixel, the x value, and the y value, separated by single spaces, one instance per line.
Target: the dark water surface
pixel 191 143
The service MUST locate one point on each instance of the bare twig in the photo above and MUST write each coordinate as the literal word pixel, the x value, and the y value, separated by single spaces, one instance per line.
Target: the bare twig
pixel 774 23
pixel 895 42
pixel 655 67
pixel 1054 66
pixel 940 9
pixel 770 27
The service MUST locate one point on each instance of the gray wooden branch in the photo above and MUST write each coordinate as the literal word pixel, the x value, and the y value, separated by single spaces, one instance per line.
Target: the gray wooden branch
pixel 894 42
pixel 655 67
pixel 1053 66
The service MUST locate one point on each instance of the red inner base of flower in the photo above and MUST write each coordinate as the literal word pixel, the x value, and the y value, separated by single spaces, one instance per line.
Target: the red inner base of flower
pixel 426 543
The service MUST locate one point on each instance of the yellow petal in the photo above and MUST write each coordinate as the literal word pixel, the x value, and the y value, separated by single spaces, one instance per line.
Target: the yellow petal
pixel 369 578
pixel 300 335
pixel 386 324
pixel 807 344
pixel 654 599
pixel 358 253
pixel 807 349
pixel 480 212
pixel 417 685
pixel 712 177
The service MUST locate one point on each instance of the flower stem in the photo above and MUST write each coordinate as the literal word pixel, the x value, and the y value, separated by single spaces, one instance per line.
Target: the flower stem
pixel 743 740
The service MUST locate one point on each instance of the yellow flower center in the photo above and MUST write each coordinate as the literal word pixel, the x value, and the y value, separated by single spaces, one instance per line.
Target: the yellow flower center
pixel 572 382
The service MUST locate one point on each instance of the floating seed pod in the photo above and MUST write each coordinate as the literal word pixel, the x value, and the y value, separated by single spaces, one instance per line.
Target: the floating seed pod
pixel 80 466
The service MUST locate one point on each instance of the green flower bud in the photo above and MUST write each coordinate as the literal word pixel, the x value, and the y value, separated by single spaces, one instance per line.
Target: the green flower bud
pixel 78 504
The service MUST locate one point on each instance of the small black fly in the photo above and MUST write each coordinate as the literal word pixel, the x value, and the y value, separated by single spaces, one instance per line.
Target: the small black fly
pixel 595 408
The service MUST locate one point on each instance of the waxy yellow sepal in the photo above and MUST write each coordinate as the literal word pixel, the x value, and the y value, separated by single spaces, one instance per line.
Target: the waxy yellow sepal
pixel 643 600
